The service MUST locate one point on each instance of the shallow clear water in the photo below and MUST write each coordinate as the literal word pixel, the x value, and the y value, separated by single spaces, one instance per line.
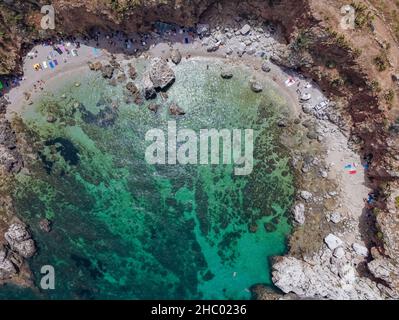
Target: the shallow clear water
pixel 127 229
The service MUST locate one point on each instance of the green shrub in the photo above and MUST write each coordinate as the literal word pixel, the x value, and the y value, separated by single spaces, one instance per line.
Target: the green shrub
pixel 363 17
pixel 381 61
pixel 389 95
pixel 303 41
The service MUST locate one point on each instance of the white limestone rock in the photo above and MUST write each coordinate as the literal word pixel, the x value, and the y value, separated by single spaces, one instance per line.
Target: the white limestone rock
pixel 360 250
pixel 161 74
pixel 306 195
pixel 333 242
pixel 299 213
pixel 317 281
pixel 335 217
pixel 245 29
pixel 339 253
pixel 19 239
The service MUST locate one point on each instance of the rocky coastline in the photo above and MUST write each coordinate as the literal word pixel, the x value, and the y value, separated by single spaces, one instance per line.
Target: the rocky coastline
pixel 335 253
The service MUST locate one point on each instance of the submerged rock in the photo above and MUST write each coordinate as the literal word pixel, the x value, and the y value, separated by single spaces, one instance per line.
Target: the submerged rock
pixel 270 227
pixel 282 123
pixel 161 74
pixel 51 119
pixel 226 74
pixel 265 67
pixel 153 107
pixel 95 66
pixel 107 71
pixel 45 225
pixel 132 72
pixel 175 110
pixel 121 77
pixel 149 89
pixel 132 88
pixel 256 86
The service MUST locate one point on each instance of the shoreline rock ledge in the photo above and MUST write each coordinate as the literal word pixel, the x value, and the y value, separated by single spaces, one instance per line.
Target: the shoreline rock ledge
pixel 318 280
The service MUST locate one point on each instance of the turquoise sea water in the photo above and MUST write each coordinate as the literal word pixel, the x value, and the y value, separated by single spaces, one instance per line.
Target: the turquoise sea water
pixel 125 229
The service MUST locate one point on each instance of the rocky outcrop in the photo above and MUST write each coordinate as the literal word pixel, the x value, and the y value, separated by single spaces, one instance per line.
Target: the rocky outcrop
pixel 10 158
pixel 20 240
pixel 339 282
pixel 107 71
pixel 148 87
pixel 7 268
pixel 161 74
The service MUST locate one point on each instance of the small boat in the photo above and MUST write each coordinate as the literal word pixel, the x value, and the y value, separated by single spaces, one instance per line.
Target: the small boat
pixel 51 64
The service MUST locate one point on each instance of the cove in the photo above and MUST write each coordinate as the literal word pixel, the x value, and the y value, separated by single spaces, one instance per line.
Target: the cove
pixel 126 229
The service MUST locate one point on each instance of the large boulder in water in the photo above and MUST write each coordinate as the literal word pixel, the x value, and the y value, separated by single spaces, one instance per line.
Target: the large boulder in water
pixel 132 88
pixel 107 71
pixel 175 56
pixel 148 87
pixel 256 86
pixel 132 72
pixel 161 74
pixel 95 66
